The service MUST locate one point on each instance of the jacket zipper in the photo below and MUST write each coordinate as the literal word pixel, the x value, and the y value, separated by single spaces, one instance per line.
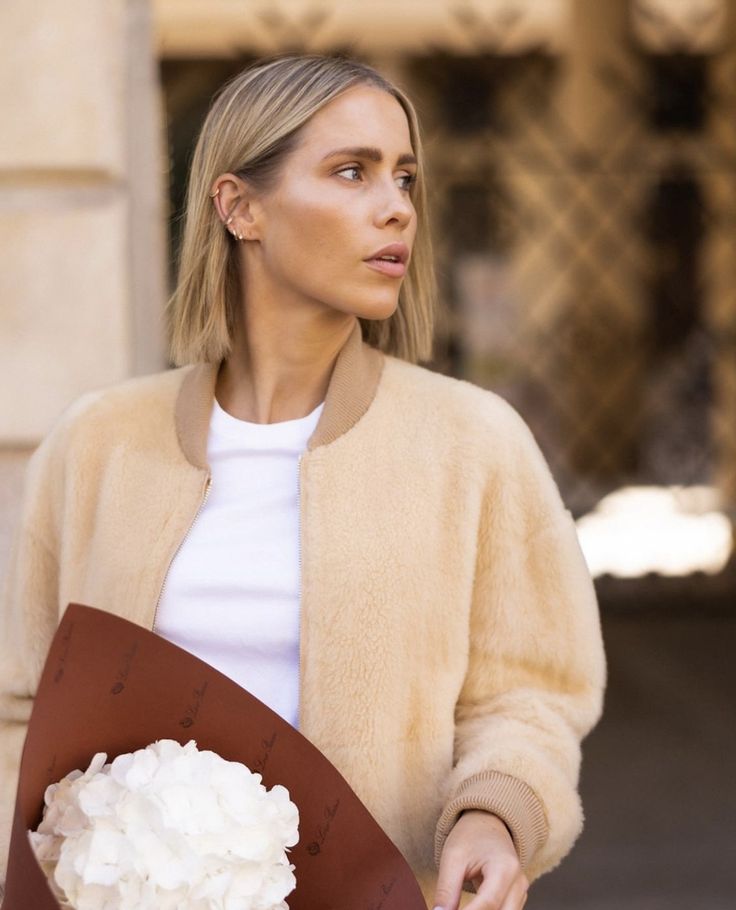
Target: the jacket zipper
pixel 299 591
pixel 181 543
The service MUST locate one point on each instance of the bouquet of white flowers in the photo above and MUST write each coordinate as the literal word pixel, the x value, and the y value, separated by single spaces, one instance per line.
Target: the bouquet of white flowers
pixel 181 816
pixel 165 827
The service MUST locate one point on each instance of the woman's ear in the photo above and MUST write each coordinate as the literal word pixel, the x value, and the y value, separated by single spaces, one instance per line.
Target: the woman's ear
pixel 236 205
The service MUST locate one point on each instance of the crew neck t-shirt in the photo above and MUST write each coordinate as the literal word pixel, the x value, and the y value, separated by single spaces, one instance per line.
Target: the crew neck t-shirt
pixel 231 595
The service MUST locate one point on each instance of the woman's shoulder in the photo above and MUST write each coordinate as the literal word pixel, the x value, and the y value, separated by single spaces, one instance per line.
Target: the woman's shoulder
pixel 461 405
pixel 464 424
pixel 124 409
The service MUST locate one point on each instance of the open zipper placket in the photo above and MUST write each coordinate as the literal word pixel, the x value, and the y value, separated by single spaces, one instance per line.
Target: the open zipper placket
pixel 299 590
pixel 299 568
pixel 202 502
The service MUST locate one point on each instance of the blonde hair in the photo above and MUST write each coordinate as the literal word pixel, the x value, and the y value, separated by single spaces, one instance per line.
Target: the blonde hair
pixel 251 127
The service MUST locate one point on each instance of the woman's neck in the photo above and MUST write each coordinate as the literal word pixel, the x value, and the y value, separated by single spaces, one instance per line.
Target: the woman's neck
pixel 280 373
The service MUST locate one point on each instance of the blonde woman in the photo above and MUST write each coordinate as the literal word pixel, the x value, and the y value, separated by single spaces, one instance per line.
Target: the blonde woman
pixel 376 550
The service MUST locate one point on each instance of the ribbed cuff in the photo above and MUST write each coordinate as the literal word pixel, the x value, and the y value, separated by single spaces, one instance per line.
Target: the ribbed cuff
pixel 512 800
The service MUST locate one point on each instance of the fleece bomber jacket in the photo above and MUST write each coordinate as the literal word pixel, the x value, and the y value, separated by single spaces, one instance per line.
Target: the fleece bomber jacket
pixel 451 654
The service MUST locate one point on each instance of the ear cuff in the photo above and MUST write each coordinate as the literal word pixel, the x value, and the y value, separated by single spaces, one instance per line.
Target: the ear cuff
pixel 229 220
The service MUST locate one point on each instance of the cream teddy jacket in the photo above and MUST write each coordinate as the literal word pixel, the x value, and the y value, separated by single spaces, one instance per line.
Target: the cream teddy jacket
pixel 451 650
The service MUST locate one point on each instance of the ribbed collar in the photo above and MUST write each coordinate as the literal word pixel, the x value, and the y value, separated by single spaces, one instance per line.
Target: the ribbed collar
pixel 351 388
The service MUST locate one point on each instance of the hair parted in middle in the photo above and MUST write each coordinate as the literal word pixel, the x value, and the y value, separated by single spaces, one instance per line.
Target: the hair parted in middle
pixel 251 127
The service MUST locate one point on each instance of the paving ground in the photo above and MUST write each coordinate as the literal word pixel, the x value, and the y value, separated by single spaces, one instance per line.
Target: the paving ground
pixel 659 773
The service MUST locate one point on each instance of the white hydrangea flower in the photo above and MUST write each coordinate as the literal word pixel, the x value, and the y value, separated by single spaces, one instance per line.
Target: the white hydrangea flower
pixel 166 827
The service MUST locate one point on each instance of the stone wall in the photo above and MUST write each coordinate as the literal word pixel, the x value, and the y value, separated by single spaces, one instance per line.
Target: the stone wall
pixel 82 219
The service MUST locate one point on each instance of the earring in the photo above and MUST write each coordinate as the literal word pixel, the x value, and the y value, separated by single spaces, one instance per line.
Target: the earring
pixel 212 195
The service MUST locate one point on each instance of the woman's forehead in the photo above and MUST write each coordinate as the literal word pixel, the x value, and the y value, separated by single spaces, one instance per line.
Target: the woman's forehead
pixel 361 117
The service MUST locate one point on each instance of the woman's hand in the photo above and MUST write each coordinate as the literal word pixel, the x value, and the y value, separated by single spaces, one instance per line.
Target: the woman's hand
pixel 479 848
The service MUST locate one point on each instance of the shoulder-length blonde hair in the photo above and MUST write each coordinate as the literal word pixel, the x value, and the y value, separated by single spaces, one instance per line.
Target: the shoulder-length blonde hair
pixel 251 127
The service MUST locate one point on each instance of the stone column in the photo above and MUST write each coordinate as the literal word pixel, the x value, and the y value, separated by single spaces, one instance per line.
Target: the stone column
pixel 82 222
pixel 81 216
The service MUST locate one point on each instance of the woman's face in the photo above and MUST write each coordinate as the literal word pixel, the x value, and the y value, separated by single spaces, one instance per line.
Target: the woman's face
pixel 333 209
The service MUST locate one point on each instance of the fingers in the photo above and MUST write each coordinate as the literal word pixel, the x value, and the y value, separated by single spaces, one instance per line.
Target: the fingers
pixel 501 889
pixel 518 893
pixel 450 880
pixel 477 849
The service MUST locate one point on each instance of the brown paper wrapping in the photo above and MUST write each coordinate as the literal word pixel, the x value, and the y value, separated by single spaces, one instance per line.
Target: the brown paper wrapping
pixel 109 685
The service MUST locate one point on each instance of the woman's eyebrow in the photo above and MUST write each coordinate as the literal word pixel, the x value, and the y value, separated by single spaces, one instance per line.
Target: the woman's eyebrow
pixel 369 151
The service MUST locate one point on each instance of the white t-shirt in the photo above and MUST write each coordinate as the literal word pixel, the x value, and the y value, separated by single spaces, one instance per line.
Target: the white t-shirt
pixel 231 595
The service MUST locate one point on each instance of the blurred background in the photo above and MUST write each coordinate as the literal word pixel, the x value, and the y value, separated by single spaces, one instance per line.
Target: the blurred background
pixel 582 162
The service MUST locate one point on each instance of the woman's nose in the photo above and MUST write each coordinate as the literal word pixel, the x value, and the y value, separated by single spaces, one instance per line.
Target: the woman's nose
pixel 394 205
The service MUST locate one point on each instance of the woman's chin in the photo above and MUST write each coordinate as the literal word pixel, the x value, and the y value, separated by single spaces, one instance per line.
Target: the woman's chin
pixel 377 309
pixel 374 303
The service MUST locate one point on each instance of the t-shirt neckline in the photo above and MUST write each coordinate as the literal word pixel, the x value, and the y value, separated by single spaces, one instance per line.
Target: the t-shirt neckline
pixel 224 424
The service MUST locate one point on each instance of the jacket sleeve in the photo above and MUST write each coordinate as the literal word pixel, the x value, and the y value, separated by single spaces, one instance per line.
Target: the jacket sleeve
pixel 28 617
pixel 536 669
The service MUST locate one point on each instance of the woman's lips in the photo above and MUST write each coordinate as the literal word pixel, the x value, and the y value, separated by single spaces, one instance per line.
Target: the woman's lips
pixel 392 269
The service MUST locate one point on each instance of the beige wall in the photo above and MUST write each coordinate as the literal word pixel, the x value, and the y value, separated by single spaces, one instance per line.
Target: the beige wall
pixel 81 217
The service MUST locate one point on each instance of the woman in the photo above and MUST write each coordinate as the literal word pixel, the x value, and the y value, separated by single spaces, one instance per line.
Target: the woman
pixel 378 551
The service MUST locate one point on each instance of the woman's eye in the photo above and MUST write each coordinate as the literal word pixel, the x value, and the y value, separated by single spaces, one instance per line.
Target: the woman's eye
pixel 353 167
pixel 408 178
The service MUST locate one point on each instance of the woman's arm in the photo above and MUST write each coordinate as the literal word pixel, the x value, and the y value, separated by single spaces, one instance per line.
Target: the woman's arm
pixel 536 671
pixel 28 617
